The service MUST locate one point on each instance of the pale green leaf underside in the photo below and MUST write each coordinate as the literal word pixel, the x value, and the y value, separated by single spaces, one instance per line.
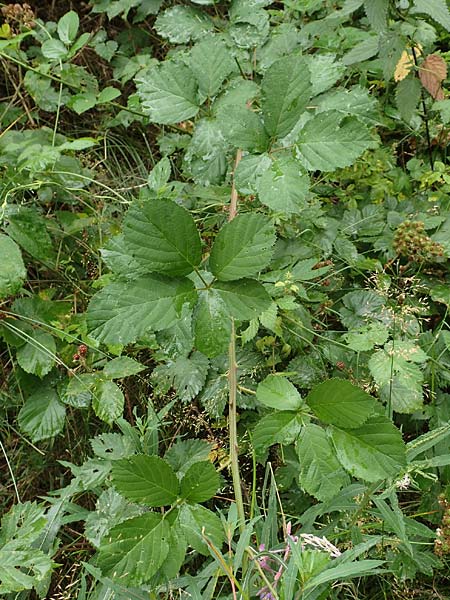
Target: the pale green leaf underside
pixel 122 312
pixel 281 427
pixel 279 393
pixel 162 237
pixel 284 187
pixel 242 247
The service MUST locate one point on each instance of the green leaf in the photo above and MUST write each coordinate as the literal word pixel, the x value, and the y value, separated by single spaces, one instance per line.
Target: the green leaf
pixel 243 128
pixel 436 9
pixel 181 24
pixel 364 50
pixel 113 446
pixel 280 427
pixel 68 27
pixel 286 91
pixel 108 401
pixel 197 521
pixel 134 551
pixel 407 96
pixel 12 272
pixel 321 474
pixel 42 416
pixel 212 324
pixel 122 366
pixel 284 187
pixel 186 375
pixel 78 390
pixel 38 355
pixel 278 392
pixel 371 452
pixel 122 312
pixel 185 453
pixel 249 171
pixel 168 93
pixel 54 49
pixel 377 12
pixel 162 237
pixel 211 62
pixel 325 71
pixel 83 102
pixel 146 479
pixel 339 402
pixel 245 299
pixel 366 337
pixel 206 157
pixel 327 142
pixel 200 482
pixel 242 247
pixel 28 228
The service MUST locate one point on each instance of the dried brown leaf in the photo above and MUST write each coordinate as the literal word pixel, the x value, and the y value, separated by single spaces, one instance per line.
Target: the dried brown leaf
pixel 432 73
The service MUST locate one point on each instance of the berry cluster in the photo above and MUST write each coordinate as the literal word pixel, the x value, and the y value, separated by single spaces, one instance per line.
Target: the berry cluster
pixel 81 353
pixel 21 14
pixel 411 241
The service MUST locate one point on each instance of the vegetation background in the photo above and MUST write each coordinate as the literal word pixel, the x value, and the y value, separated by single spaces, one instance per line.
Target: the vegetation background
pixel 224 296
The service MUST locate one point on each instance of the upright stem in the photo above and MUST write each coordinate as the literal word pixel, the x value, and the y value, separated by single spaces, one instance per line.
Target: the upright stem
pixel 232 385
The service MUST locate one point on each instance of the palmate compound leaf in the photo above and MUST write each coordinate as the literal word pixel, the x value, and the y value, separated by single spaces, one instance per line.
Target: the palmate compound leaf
pixel 339 402
pixel 200 482
pixel 286 90
pixel 146 479
pixel 279 393
pixel 12 272
pixel 122 312
pixel 134 551
pixel 328 142
pixel 162 237
pixel 168 92
pixel 321 474
pixel 242 247
pixel 371 452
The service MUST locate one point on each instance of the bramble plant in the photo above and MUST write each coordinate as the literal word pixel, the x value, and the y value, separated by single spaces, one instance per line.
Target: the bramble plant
pixel 224 299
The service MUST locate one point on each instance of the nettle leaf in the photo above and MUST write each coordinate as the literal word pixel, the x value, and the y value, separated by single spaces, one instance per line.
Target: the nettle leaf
pixel 245 299
pixel 436 9
pixel 181 24
pixel 284 187
pixel 243 128
pixel 371 452
pixel 286 90
pixel 321 474
pixel 162 236
pixel 328 142
pixel 13 272
pixel 278 392
pixel 168 92
pixel 211 62
pixel 38 355
pixel 281 427
pixel 212 324
pixel 108 401
pixel 146 479
pixel 242 247
pixel 200 482
pixel 43 415
pixel 377 12
pixel 134 551
pixel 122 312
pixel 186 375
pixel 198 522
pixel 339 402
pixel 122 366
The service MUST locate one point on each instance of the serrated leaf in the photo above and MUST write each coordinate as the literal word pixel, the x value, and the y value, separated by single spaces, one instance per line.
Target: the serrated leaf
pixel 186 375
pixel 108 401
pixel 206 157
pixel 181 24
pixel 185 453
pixel 122 312
pixel 134 550
pixel 212 324
pixel 122 366
pixel 242 247
pixel 211 62
pixel 339 402
pixel 436 9
pixel 43 415
pixel 38 355
pixel 28 229
pixel 371 452
pixel 286 90
pixel 354 101
pixel 112 446
pixel 200 482
pixel 197 521
pixel 146 479
pixel 325 70
pixel 327 142
pixel 364 50
pixel 243 128
pixel 54 49
pixel 168 93
pixel 78 392
pixel 366 337
pixel 162 237
pixel 321 474
pixel 245 299
pixel 12 271
pixel 284 187
pixel 279 393
pixel 407 96
pixel 249 171
pixel 119 259
pixel 281 427
pixel 377 12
